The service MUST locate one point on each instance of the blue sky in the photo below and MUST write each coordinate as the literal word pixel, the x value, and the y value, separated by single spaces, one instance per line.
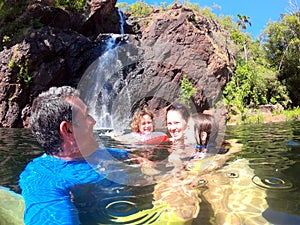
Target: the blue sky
pixel 259 11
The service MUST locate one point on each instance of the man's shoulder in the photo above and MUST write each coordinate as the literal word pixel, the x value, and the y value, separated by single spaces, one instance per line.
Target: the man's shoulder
pixel 41 166
pixel 44 159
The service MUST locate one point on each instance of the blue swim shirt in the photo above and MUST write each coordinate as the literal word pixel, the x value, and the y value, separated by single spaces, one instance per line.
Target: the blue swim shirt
pixel 63 192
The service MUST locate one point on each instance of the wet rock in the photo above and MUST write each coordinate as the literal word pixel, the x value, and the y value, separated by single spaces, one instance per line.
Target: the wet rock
pixel 47 57
pixel 173 43
pixel 178 43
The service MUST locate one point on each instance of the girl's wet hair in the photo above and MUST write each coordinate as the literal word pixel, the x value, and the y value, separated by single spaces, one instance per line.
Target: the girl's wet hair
pixel 137 118
pixel 205 123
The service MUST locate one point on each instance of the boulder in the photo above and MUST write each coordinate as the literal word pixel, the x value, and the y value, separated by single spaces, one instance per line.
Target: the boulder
pixel 169 45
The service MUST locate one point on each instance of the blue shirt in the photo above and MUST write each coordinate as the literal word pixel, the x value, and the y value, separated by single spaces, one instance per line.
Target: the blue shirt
pixel 62 192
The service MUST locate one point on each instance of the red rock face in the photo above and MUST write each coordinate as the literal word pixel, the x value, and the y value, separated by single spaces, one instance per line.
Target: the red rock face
pixel 177 42
pixel 104 6
pixel 174 42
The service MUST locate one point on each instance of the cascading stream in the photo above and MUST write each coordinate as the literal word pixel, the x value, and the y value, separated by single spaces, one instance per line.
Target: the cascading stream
pixel 101 77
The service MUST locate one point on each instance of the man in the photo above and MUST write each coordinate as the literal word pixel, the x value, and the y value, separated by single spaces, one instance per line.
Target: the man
pixel 63 186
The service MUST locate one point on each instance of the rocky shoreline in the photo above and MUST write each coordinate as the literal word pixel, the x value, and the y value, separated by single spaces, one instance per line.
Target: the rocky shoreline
pixel 174 43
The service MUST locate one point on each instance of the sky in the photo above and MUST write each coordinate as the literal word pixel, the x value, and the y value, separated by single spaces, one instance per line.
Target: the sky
pixel 260 12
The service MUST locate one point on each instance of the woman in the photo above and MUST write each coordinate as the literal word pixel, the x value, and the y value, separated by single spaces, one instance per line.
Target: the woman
pixel 178 123
pixel 177 117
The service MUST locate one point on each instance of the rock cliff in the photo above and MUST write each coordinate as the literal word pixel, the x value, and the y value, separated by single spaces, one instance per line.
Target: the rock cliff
pixel 170 44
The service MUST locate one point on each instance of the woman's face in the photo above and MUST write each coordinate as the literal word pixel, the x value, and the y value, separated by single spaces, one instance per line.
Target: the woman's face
pixel 146 125
pixel 176 125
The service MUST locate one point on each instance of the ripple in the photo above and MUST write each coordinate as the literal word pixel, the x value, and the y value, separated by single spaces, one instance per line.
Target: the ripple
pixel 274 183
pixel 232 175
pixel 202 182
pixel 121 208
pixel 126 212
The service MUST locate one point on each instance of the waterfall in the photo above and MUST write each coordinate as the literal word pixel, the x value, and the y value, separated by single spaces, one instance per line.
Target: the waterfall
pixel 122 21
pixel 98 86
pixel 101 82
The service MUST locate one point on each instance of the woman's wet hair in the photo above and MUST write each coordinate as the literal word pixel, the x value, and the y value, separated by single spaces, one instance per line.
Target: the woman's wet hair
pixel 184 112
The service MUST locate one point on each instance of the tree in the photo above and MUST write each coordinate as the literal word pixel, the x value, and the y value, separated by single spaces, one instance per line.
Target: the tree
pixel 242 21
pixel 282 45
pixel 252 85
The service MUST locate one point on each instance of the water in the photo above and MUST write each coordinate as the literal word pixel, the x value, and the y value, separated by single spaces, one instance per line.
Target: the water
pixel 122 21
pixel 273 151
pixel 99 81
pixel 267 168
pixel 17 148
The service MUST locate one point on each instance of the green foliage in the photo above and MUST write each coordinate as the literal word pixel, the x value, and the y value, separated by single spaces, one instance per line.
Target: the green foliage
pixel 253 85
pixel 138 9
pixel 187 90
pixel 72 5
pixel 282 46
pixel 254 82
pixel 24 75
pixel 123 6
pixel 240 92
pixel 11 64
pixel 292 114
pixel 227 23
pixel 194 6
pixel 255 116
pixel 243 21
pixel 163 5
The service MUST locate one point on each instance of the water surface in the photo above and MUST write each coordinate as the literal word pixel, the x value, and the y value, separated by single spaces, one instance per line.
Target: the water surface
pixel 271 152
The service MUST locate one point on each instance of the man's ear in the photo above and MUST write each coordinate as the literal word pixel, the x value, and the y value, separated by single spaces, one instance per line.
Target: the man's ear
pixel 66 129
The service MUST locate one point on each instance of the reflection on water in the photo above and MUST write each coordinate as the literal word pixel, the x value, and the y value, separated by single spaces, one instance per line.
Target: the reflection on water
pixel 269 163
pixel 17 147
pixel 273 151
pixel 272 181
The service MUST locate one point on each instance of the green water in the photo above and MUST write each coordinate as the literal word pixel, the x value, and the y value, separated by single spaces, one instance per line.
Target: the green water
pixel 17 147
pixel 272 150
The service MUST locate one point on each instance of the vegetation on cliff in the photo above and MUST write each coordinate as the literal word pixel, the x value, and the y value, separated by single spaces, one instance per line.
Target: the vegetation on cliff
pixel 267 70
pixel 16 23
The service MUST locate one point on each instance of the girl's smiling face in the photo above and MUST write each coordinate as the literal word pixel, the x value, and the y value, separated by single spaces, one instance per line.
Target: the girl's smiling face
pixel 146 125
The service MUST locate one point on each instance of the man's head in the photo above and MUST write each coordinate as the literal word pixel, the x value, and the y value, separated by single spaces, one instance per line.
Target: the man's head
pixel 56 115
